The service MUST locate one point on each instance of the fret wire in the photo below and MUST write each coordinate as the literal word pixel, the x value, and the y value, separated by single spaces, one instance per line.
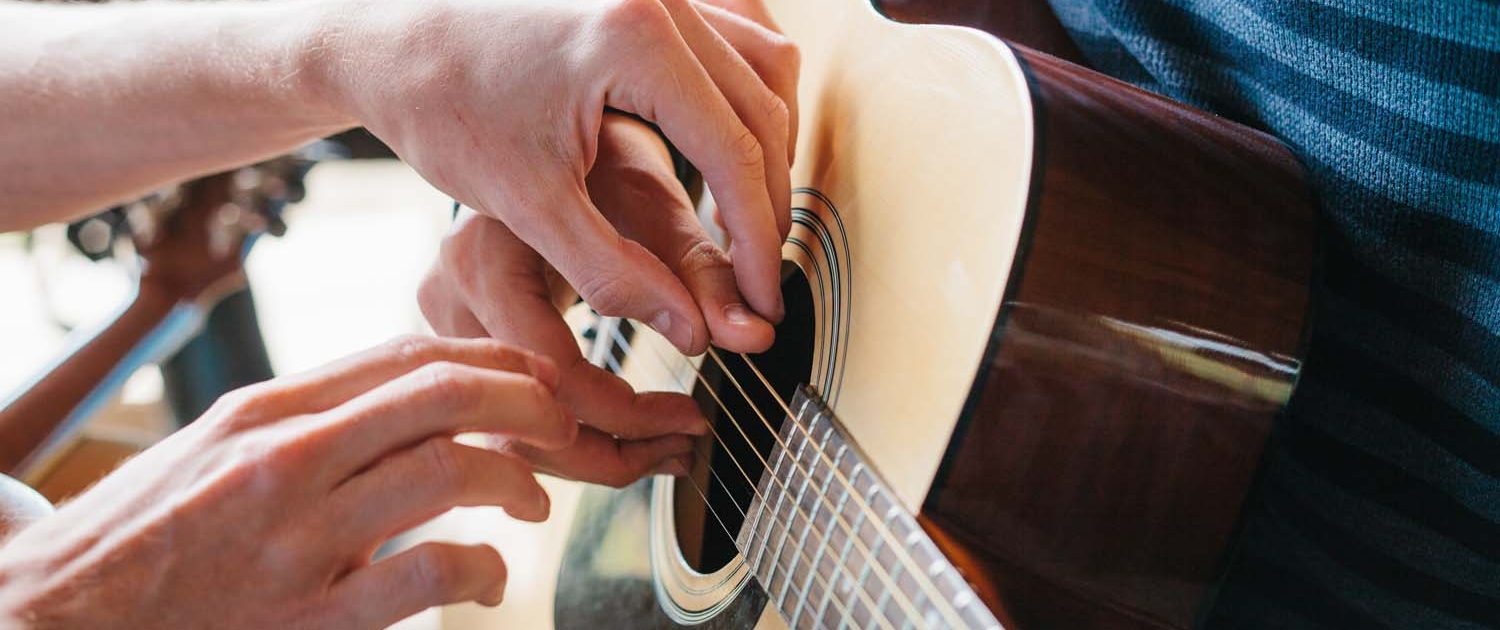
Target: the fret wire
pixel 785 530
pixel 764 500
pixel 881 526
pixel 765 503
pixel 743 514
pixel 771 478
pixel 880 572
pixel 844 553
pixel 864 572
pixel 722 525
pixel 725 485
pixel 942 605
pixel 823 547
pixel 787 522
pixel 699 489
pixel 797 501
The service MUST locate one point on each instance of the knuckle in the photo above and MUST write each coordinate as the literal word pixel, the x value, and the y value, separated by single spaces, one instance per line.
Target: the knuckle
pixel 456 251
pixel 635 15
pixel 259 465
pixel 777 111
pixel 745 150
pixel 412 349
pixel 538 398
pixel 449 386
pixel 702 255
pixel 606 292
pixel 442 466
pixel 243 407
pixel 291 450
pixel 784 54
pixel 439 568
pixel 539 393
pixel 509 358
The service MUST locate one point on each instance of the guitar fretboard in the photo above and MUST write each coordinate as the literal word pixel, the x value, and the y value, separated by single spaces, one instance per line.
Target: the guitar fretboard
pixel 835 549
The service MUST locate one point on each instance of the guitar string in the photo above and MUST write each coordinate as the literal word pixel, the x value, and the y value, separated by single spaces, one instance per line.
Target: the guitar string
pixel 876 522
pixel 828 590
pixel 869 556
pixel 918 575
pixel 875 612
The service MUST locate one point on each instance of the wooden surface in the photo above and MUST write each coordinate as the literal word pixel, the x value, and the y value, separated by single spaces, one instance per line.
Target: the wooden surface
pixel 918 142
pixel 1142 353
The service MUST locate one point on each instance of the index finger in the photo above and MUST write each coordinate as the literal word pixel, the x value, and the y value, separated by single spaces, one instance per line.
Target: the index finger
pixel 680 97
pixel 444 399
pixel 510 299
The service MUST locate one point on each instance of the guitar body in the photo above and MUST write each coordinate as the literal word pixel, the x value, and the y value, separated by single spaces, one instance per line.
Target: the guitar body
pixel 1044 321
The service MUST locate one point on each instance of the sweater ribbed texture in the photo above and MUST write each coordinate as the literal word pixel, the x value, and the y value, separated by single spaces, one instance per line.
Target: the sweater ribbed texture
pixel 1379 506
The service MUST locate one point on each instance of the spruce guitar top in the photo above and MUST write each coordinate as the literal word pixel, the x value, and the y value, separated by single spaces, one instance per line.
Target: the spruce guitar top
pixel 1039 323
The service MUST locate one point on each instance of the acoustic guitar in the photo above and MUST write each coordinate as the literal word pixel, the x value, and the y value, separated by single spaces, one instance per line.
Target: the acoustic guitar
pixel 1039 324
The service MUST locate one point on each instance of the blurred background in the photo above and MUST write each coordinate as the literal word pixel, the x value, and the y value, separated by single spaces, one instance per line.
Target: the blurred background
pixel 342 278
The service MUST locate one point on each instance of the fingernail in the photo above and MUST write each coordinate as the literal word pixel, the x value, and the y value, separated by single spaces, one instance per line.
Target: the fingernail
pixel 780 312
pixel 496 596
pixel 738 314
pixel 677 466
pixel 665 324
pixel 543 369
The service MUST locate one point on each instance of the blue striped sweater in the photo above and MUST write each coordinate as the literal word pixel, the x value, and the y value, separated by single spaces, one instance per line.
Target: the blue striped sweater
pixel 1380 503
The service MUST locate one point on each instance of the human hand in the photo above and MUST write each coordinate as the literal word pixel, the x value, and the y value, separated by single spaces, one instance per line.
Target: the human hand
pixel 501 104
pixel 487 283
pixel 265 513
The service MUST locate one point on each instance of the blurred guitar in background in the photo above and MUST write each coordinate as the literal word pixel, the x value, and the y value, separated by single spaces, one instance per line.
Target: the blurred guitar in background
pixel 189 242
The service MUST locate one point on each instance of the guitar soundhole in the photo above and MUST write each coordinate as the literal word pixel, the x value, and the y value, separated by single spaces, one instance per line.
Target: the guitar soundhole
pixel 729 478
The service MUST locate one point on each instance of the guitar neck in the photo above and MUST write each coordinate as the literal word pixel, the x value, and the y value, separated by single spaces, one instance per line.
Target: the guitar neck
pixel 831 545
pixel 50 407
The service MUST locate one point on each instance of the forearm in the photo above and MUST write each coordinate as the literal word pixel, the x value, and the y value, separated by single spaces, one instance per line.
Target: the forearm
pixel 102 103
pixel 28 421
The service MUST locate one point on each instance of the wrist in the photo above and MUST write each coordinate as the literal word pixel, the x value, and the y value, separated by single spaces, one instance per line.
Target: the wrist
pixel 318 59
pixel 152 292
pixel 357 53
